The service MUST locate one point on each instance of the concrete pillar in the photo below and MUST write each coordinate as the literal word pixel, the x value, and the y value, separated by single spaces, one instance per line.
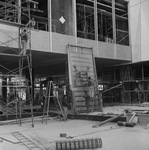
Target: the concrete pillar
pixel 68 17
pixel 62 9
pixel 19 11
pixel 95 20
pixel 74 18
pixel 114 21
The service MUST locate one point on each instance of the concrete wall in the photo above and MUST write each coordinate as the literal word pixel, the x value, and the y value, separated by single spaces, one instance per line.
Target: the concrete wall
pixel 57 43
pixel 100 49
pixel 145 30
pixel 9 35
pixel 40 40
pixel 139 28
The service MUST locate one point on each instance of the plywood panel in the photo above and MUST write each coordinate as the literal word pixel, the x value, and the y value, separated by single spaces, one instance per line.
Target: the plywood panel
pixel 82 67
pixel 79 51
pixel 74 55
pixel 83 60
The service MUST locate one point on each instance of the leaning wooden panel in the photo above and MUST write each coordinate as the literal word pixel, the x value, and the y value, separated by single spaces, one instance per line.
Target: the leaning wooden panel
pixel 82 74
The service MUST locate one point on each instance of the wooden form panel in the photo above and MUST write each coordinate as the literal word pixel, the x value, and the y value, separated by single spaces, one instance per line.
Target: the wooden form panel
pixel 81 72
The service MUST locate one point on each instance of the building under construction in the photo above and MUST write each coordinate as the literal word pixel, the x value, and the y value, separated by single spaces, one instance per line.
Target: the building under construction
pixel 81 45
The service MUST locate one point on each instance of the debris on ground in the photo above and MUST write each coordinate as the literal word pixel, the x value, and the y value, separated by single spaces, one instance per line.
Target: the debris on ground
pixel 145 104
pixel 108 120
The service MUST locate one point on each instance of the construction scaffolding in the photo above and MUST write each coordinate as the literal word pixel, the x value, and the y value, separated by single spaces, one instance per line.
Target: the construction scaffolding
pixel 16 11
pixel 18 89
pixel 9 10
pixel 86 21
pixel 134 82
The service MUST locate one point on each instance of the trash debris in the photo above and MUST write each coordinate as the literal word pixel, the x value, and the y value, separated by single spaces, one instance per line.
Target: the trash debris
pixel 108 120
pixel 63 134
pixel 129 123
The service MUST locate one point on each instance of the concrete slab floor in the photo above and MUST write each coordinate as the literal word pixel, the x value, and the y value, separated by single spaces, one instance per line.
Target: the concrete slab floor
pixel 113 137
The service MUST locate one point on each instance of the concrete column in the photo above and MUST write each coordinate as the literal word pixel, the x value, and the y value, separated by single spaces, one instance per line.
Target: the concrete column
pixel 129 25
pixel 114 21
pixel 49 16
pixel 74 18
pixel 95 20
pixel 50 25
pixel 19 11
pixel 68 15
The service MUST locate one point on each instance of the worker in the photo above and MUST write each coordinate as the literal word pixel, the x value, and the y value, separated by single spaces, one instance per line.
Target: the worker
pixel 87 98
pixel 60 93
pixel 24 40
pixel 65 107
pixel 31 24
pixel 42 103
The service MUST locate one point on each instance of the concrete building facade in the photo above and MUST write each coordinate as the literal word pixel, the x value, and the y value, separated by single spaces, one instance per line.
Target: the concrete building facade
pixel 104 26
pixel 139 29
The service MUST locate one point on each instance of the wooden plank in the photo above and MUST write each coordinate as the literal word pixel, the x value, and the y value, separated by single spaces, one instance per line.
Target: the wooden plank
pixel 80 104
pixel 91 102
pixel 79 94
pixel 76 84
pixel 75 55
pixel 91 105
pixel 79 51
pixel 83 108
pixel 81 60
pixel 79 68
pixel 11 55
pixel 90 74
pixel 79 84
pixel 81 64
pixel 77 46
pixel 108 120
pixel 79 99
pixel 81 89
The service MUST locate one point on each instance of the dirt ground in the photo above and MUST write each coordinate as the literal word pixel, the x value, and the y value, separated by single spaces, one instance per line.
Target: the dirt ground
pixel 114 137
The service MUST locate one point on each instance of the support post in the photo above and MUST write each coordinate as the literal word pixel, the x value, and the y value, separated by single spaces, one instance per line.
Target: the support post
pixel 95 20
pixel 19 11
pixel 114 21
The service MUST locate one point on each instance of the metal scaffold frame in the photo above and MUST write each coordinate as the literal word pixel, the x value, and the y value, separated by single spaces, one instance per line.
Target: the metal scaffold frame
pixel 8 10
pixel 134 83
pixel 18 73
pixel 133 89
pixel 86 23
